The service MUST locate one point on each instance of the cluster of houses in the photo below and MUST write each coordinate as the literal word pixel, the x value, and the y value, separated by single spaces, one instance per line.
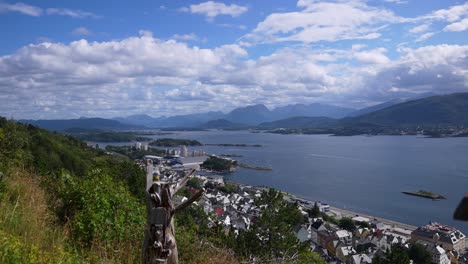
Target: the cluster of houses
pixel 362 244
pixel 235 209
pixel 445 244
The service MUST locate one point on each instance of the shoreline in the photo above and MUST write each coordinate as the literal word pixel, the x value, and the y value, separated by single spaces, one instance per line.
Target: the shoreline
pixel 335 210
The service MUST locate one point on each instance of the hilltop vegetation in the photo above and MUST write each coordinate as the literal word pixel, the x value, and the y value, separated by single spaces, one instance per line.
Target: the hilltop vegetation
pixel 64 202
pixel 84 123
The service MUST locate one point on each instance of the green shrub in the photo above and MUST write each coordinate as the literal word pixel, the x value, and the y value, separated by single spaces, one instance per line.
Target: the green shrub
pixel 15 250
pixel 2 187
pixel 105 212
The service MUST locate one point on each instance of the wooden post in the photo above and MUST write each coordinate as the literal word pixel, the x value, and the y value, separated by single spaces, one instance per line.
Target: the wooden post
pixel 160 245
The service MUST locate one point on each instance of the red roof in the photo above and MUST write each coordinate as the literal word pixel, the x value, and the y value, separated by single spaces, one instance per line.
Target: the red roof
pixel 219 211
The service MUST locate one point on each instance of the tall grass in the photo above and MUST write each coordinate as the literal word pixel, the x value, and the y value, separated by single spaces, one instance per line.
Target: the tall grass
pixel 28 232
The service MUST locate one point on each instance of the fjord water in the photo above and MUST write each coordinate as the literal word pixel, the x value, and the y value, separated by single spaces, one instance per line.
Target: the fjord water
pixel 359 173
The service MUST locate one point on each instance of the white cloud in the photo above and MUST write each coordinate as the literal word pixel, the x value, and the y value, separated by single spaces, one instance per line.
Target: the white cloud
pixel 21 8
pixel 325 21
pixel 358 46
pixel 420 28
pixel 70 13
pixel 425 36
pixel 451 14
pixel 188 37
pixel 82 31
pixel 396 1
pixel 145 74
pixel 458 26
pixel 435 69
pixel 375 56
pixel 212 9
pixel 37 11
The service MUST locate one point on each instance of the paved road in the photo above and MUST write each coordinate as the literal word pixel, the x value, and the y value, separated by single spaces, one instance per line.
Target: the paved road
pixel 346 213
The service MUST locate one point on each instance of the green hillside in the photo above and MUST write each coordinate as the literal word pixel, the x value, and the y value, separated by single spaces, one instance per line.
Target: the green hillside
pixel 84 123
pixel 299 122
pixel 444 110
pixel 64 202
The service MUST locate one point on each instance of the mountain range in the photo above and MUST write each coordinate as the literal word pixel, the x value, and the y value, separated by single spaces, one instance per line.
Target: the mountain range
pixel 442 110
pixel 243 116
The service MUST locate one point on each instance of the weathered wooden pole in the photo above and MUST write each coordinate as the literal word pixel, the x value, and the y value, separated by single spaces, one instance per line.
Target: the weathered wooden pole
pixel 160 245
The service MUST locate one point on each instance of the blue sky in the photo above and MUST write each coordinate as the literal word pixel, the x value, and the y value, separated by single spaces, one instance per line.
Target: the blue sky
pixel 66 59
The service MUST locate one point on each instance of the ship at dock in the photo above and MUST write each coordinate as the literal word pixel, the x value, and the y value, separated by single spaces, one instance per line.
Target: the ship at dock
pixel 426 194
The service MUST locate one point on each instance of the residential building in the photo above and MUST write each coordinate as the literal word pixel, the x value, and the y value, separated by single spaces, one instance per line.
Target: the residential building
pixel 301 233
pixel 448 237
pixel 360 259
pixel 345 253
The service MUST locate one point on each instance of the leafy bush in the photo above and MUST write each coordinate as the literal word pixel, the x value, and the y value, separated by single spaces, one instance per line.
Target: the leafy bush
pixel 14 250
pixel 103 211
pixel 347 224
pixel 2 186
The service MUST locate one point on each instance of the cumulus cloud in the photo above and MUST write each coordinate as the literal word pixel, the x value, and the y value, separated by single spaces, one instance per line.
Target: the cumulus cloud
pixel 20 8
pixel 188 37
pixel 325 21
pixel 375 56
pixel 435 69
pixel 144 74
pixel 458 26
pixel 212 9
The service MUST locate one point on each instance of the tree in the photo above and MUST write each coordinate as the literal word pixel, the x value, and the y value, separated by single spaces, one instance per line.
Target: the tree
pixel 272 234
pixel 398 255
pixel 363 224
pixel 194 183
pixel 419 254
pixel 315 211
pixel 346 223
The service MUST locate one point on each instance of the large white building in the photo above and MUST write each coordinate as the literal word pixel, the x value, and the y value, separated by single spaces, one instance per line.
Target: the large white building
pixel 183 151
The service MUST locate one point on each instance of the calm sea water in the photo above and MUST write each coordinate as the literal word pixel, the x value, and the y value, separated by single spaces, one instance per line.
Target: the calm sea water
pixel 359 173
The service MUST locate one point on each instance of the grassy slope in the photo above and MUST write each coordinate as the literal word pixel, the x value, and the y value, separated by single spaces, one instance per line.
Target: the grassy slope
pixel 63 202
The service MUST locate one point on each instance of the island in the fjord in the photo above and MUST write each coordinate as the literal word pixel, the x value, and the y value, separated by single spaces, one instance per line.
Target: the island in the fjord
pixel 246 166
pixel 174 142
pixel 234 145
pixel 426 194
pixel 216 164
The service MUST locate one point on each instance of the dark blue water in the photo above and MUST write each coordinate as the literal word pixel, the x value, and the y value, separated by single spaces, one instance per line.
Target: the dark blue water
pixel 364 174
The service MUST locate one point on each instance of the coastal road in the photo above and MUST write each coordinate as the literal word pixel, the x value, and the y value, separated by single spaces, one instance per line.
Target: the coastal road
pixel 346 213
